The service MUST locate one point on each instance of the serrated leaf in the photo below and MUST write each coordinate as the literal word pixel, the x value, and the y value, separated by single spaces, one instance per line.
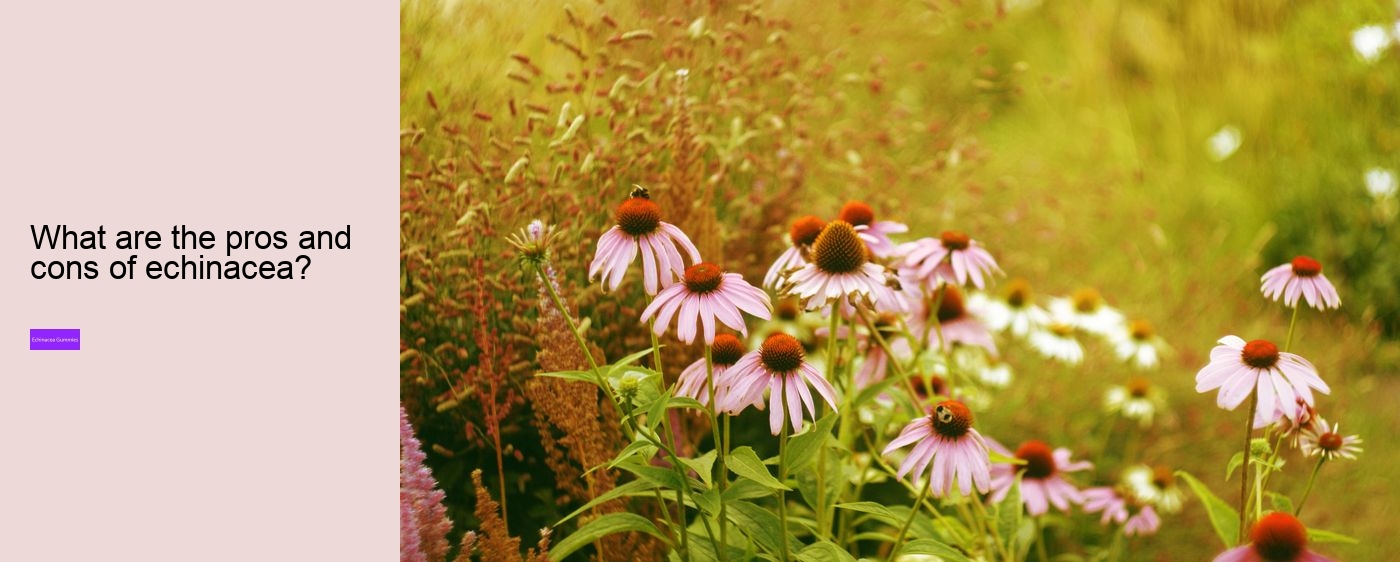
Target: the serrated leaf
pixel 824 551
pixel 630 488
pixel 1321 536
pixel 1280 502
pixel 879 511
pixel 930 547
pixel 744 462
pixel 601 527
pixel 802 449
pixel 1009 515
pixel 1223 518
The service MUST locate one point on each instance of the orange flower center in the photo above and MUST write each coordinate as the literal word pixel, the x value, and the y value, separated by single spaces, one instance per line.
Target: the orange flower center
pixel 1141 330
pixel 1018 293
pixel 1040 460
pixel 1139 386
pixel 1278 537
pixel 1260 354
pixel 788 309
pixel 804 231
pixel 951 419
pixel 638 216
pixel 954 240
pixel 726 350
pixel 857 213
pixel 1330 442
pixel 951 306
pixel 703 277
pixel 1304 266
pixel 1086 300
pixel 837 249
pixel 1162 477
pixel 781 353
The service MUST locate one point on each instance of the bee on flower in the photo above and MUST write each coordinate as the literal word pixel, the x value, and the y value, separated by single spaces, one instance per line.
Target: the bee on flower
pixel 947 447
pixel 639 229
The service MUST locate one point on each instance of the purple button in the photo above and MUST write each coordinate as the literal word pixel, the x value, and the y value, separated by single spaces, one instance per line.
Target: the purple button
pixel 52 339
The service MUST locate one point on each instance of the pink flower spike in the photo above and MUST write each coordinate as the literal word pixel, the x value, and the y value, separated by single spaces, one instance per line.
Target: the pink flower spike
pixel 1281 379
pixel 947 447
pixel 779 367
pixel 639 229
pixel 1300 277
pixel 706 295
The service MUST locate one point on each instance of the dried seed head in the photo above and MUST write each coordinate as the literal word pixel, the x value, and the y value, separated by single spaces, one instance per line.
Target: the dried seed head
pixel 781 353
pixel 838 249
pixel 1260 354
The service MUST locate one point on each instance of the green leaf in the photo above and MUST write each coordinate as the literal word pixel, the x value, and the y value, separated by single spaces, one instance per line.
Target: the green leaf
pixel 704 465
pixel 824 551
pixel 1280 502
pixel 645 448
pixel 1223 517
pixel 745 490
pixel 744 462
pixel 1234 465
pixel 584 376
pixel 1321 536
pixel 1009 515
pixel 601 527
pixel 930 547
pixel 656 408
pixel 620 364
pixel 999 458
pixel 685 402
pixel 631 488
pixel 707 501
pixel 759 523
pixel 879 511
pixel 663 477
pixel 802 449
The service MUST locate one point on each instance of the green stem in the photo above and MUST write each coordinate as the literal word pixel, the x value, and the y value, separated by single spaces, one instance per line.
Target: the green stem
pixel 1244 474
pixel 721 449
pixel 914 510
pixel 1115 550
pixel 1288 344
pixel 782 478
pixel 823 526
pixel 1297 511
pixel 991 530
pixel 1040 539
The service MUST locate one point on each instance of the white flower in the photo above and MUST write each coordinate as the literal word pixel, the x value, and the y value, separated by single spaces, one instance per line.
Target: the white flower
pixel 1223 143
pixel 1380 183
pixel 1369 41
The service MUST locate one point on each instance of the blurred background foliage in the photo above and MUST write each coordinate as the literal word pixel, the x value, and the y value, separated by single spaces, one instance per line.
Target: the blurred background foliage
pixel 1166 153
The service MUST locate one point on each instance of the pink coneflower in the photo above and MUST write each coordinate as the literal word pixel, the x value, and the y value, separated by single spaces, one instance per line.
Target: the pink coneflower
pixel 1326 440
pixel 840 269
pixel 801 235
pixel 724 353
pixel 958 326
pixel 706 295
pixel 948 443
pixel 1116 509
pixel 876 363
pixel 1237 368
pixel 1276 537
pixel 1041 482
pixel 954 258
pixel 639 227
pixel 778 366
pixel 1302 276
pixel 1288 427
pixel 875 234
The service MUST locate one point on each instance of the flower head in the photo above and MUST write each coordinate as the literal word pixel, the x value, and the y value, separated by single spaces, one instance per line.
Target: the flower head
pixel 724 353
pixel 839 269
pixel 1137 344
pixel 1042 481
pixel 876 235
pixel 1300 277
pixel 1276 537
pixel 1137 519
pixel 1238 368
pixel 778 366
pixel 1014 311
pixel 639 228
pixel 1056 341
pixel 1086 310
pixel 946 442
pixel 1137 400
pixel 956 324
pixel 1327 440
pixel 954 257
pixel 533 241
pixel 801 235
pixel 707 294
pixel 1155 486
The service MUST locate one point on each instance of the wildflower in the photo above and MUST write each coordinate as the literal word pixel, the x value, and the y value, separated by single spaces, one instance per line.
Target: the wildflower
pixel 1380 183
pixel 1137 400
pixel 1015 310
pixel 1136 343
pixel 954 258
pixel 955 323
pixel 947 442
pixel 1041 482
pixel 423 521
pixel 1238 368
pixel 1326 440
pixel 1086 310
pixel 1290 428
pixel 876 363
pixel 639 227
pixel 1276 537
pixel 533 241
pixel 724 353
pixel 1300 277
pixel 705 295
pixel 1155 486
pixel 1119 509
pixel 801 235
pixel 1369 41
pixel 778 366
pixel 1057 342
pixel 839 269
pixel 876 235
pixel 1224 143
